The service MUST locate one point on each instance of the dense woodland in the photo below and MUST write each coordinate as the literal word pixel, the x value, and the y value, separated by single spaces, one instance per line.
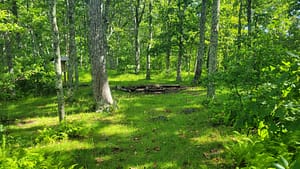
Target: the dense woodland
pixel 244 55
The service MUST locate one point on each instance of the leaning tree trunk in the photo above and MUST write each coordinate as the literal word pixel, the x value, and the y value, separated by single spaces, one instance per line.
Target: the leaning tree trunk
pixel 213 52
pixel 97 39
pixel 201 48
pixel 148 68
pixel 56 50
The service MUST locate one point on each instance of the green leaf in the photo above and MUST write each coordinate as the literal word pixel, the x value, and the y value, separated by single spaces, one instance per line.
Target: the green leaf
pixel 284 162
pixel 278 166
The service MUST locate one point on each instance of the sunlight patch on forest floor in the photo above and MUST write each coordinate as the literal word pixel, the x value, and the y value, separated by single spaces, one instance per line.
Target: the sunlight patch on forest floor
pixel 161 131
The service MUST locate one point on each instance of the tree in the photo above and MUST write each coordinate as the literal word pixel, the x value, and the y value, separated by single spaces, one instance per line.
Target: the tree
pixel 240 25
pixel 180 38
pixel 12 40
pixel 73 63
pixel 201 48
pixel 56 50
pixel 249 15
pixel 138 15
pixel 213 49
pixel 97 42
pixel 148 76
pixel 168 37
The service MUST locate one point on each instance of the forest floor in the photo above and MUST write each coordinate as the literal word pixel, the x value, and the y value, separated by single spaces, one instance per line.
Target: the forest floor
pixel 170 130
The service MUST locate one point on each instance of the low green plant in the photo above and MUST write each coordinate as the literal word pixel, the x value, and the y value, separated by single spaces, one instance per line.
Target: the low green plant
pixel 21 158
pixel 265 99
pixel 25 159
pixel 7 86
pixel 64 131
pixel 247 152
pixel 284 164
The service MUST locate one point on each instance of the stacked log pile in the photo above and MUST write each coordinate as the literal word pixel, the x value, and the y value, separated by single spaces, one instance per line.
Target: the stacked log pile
pixel 155 88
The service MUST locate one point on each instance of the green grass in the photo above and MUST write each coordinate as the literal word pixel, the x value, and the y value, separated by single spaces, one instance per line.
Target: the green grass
pixel 146 131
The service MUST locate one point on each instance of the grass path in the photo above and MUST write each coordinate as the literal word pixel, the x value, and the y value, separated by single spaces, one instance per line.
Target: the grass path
pixel 146 131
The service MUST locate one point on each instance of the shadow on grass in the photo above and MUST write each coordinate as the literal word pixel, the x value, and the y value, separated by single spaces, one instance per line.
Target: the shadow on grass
pixel 139 139
pixel 147 131
pixel 29 107
pixel 157 149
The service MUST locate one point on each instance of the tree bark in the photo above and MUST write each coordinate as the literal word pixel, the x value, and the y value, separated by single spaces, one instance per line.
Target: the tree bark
pixel 180 40
pixel 249 13
pixel 148 64
pixel 72 66
pixel 240 25
pixel 56 50
pixel 201 48
pixel 137 20
pixel 97 40
pixel 213 52
pixel 168 39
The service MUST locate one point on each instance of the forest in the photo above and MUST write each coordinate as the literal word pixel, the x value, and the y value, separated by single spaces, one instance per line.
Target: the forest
pixel 150 84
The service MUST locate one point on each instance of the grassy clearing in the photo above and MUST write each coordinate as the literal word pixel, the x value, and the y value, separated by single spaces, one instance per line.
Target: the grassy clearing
pixel 146 131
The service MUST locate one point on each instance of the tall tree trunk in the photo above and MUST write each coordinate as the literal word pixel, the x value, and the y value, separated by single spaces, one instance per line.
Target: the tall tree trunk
pixel 73 47
pixel 9 54
pixel 56 50
pixel 240 25
pixel 249 13
pixel 148 68
pixel 201 48
pixel 180 40
pixel 72 66
pixel 137 46
pixel 168 39
pixel 213 52
pixel 138 15
pixel 97 40
pixel 11 46
pixel 2 56
pixel 10 61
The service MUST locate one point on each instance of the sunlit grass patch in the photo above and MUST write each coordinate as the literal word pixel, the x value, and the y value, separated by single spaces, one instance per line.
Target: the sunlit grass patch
pixel 63 146
pixel 146 131
pixel 120 130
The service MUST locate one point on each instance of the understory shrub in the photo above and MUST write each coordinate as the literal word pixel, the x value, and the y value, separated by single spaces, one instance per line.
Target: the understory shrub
pixel 266 101
pixel 66 130
pixel 12 157
pixel 264 105
pixel 7 86
pixel 253 152
pixel 24 159
pixel 36 81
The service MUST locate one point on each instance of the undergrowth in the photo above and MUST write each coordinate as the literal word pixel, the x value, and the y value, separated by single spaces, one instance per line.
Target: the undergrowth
pixel 175 130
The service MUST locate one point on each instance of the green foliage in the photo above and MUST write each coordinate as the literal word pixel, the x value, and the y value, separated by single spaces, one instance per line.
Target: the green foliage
pixel 6 22
pixel 268 101
pixel 246 152
pixel 7 86
pixel 20 158
pixel 36 80
pixel 284 164
pixel 64 131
